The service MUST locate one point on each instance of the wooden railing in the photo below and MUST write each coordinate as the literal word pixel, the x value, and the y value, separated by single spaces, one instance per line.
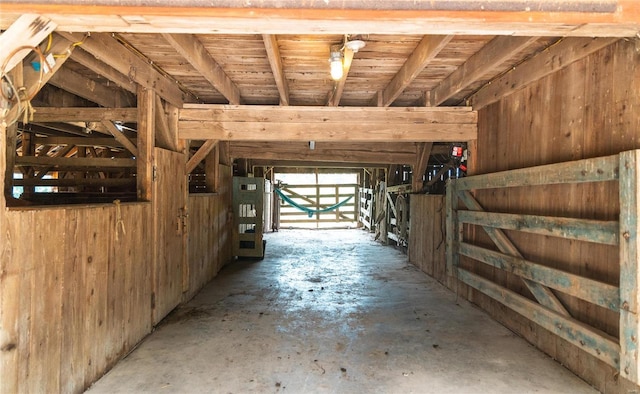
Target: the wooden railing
pixel 547 311
pixel 318 197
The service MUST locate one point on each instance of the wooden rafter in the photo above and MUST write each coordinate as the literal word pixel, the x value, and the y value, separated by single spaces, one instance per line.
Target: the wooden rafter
pixel 202 152
pixel 275 61
pixel 336 93
pixel 121 138
pixel 107 49
pixel 496 52
pixel 427 49
pixel 197 55
pixel 27 31
pixel 91 90
pixel 89 61
pixel 555 58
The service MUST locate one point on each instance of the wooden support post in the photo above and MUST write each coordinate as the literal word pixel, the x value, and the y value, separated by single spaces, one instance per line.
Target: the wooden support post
pixel 423 152
pixel 27 150
pixel 212 169
pixel 120 137
pixel 202 152
pixel 11 138
pixel 629 269
pixel 146 127
pixel 452 233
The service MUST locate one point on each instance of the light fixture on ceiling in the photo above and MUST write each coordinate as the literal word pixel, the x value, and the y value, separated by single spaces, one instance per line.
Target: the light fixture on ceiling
pixel 335 62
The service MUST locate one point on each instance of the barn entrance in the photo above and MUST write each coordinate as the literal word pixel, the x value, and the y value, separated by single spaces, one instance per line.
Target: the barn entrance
pixel 332 311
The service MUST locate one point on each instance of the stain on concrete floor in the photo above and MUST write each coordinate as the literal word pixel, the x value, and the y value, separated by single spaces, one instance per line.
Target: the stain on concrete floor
pixel 332 312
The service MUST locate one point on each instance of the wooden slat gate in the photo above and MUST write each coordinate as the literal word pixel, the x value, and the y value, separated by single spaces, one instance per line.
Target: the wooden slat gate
pixel 548 311
pixel 317 197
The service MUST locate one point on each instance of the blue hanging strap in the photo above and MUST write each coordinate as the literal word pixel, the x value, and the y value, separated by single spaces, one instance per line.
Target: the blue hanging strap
pixel 310 211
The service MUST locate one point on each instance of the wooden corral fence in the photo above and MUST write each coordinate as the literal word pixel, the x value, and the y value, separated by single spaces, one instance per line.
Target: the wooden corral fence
pixel 469 262
pixel 395 206
pixel 367 208
pixel 318 197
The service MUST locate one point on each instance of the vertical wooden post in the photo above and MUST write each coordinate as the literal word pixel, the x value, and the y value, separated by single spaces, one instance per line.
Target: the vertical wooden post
pixel 146 138
pixel 629 270
pixel 11 138
pixel 451 199
pixel 212 169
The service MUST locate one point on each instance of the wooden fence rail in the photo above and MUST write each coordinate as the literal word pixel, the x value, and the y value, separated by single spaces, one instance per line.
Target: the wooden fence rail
pixel 318 197
pixel 548 311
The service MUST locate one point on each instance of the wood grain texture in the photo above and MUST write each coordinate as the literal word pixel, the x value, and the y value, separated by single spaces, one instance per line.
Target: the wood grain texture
pixel 427 236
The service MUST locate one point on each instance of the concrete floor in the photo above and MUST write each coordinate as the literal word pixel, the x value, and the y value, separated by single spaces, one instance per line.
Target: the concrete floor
pixel 333 311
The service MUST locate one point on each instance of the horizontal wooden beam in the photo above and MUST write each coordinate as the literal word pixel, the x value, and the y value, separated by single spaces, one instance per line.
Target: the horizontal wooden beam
pixel 588 170
pixel 74 162
pixel 588 339
pixel 396 153
pixel 598 231
pixel 313 164
pixel 97 182
pixel 81 114
pixel 361 124
pixel 467 17
pixel 91 90
pixel 595 292
pixel 77 141
pixel 108 50
pixel 553 59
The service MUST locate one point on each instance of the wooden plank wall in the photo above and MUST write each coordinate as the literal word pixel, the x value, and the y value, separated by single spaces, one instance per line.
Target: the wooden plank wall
pixel 80 298
pixel 587 110
pixel 427 235
pixel 209 240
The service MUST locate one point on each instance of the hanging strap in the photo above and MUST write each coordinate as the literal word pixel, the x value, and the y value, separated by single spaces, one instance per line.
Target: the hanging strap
pixel 310 211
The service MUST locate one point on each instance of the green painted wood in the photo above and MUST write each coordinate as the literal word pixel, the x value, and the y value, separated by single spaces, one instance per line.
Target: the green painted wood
pixel 504 244
pixel 598 345
pixel 602 294
pixel 598 231
pixel 629 270
pixel 451 204
pixel 579 171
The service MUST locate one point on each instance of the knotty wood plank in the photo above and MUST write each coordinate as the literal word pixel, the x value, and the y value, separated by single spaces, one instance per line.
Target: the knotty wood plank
pixel 425 52
pixel 81 114
pixel 197 55
pixel 551 60
pixel 599 293
pixel 597 344
pixel 496 52
pixel 588 170
pixel 598 231
pixel 107 49
pixel 275 61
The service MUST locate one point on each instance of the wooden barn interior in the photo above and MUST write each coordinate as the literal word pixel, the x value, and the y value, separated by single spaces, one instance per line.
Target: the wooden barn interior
pixel 494 142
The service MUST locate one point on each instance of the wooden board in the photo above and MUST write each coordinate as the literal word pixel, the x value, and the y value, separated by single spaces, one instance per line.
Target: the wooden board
pixel 169 204
pixel 426 239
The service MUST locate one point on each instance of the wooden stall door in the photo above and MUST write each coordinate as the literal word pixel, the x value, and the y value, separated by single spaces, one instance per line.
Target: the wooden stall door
pixel 170 226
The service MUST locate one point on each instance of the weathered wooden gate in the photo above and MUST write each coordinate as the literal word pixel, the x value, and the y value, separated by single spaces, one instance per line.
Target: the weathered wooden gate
pixel 170 231
pixel 248 206
pixel 540 276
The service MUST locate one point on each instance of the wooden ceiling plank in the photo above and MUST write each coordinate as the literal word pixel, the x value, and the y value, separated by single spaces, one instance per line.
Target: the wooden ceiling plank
pixel 107 49
pixel 202 152
pixel 362 132
pixel 81 114
pixel 86 59
pixel 336 94
pixel 27 31
pixel 496 52
pixel 547 62
pixel 197 55
pixel 121 138
pixel 88 89
pixel 275 61
pixel 427 49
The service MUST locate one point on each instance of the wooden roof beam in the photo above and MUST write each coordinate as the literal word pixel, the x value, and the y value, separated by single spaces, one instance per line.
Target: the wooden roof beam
pixel 27 31
pixel 197 55
pixel 554 58
pixel 496 52
pixel 91 90
pixel 107 49
pixel 312 164
pixel 336 93
pixel 89 61
pixel 427 49
pixel 82 114
pixel 275 61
